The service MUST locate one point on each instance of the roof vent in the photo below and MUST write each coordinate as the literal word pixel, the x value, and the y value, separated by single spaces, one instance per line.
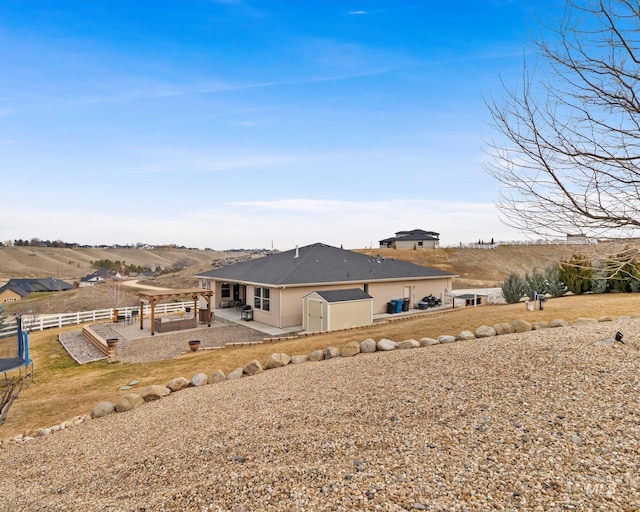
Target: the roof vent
pixel 297 253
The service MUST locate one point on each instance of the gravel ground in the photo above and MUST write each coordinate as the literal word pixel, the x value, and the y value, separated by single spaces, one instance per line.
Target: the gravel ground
pixel 546 420
pixel 158 347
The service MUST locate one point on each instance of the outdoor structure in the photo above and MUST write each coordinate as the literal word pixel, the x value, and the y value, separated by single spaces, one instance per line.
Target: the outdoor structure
pixel 155 296
pixel 413 239
pixel 17 289
pixel 275 285
pixel 331 310
pixel 14 351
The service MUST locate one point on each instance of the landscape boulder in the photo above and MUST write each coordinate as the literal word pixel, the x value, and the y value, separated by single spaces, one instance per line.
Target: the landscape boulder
pixel 102 409
pixel 331 352
pixel 277 360
pixel 253 368
pixel 154 392
pixel 408 344
pixel 350 349
pixel 368 346
pixel 466 336
pixel 297 359
pixel 446 338
pixel 503 328
pixel 485 331
pixel 128 402
pixel 521 326
pixel 428 342
pixel 316 355
pixel 384 345
pixel 235 374
pixel 177 384
pixel 199 379
pixel 217 376
pixel 559 322
pixel 584 321
pixel 539 324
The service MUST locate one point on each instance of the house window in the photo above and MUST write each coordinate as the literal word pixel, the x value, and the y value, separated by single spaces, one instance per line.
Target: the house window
pixel 261 298
pixel 205 284
pixel 366 287
pixel 420 243
pixel 225 291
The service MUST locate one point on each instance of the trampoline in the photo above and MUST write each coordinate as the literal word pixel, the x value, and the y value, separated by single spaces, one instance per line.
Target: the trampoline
pixel 11 364
pixel 17 357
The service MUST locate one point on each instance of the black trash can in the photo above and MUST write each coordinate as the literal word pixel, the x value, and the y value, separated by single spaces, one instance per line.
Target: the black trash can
pixel 405 304
pixel 391 307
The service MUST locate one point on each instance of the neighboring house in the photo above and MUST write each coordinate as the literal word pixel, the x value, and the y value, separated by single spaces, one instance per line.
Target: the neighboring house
pixel 17 289
pixel 276 285
pixel 414 239
pixel 11 293
pixel 99 276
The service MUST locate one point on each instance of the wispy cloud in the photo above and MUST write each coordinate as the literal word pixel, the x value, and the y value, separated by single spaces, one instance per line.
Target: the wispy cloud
pixel 285 223
pixel 364 13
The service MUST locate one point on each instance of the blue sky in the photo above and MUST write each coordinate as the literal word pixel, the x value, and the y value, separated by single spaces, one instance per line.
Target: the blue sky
pixel 247 123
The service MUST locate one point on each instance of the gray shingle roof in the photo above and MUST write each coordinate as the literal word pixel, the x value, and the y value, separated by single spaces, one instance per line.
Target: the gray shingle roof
pixel 320 263
pixel 344 295
pixel 414 234
pixel 46 284
pixel 15 289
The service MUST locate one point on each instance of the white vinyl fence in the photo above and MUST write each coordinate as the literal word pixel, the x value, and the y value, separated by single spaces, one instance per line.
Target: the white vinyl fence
pixel 42 322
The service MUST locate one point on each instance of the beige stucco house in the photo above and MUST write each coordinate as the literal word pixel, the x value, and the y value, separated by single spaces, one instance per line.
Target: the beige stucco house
pixel 275 285
pixel 11 294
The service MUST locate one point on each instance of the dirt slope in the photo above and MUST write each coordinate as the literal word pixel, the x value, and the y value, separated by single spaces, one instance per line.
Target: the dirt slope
pixel 475 268
pixel 72 264
pixel 479 268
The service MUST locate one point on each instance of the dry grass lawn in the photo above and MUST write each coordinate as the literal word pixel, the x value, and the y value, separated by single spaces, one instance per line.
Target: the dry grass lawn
pixel 63 389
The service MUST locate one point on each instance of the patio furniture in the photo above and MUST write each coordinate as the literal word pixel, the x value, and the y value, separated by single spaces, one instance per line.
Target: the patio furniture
pixel 168 324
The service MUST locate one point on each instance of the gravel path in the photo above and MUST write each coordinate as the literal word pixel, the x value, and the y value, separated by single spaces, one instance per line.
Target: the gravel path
pixel 546 420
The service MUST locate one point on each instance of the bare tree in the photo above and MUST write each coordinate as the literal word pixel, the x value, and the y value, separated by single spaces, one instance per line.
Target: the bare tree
pixel 568 154
pixel 116 291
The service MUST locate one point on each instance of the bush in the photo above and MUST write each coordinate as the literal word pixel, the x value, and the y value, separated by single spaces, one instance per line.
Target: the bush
pixel 513 288
pixel 576 273
pixel 554 285
pixel 534 285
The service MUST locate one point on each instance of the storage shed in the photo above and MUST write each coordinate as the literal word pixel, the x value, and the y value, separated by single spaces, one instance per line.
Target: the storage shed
pixel 330 310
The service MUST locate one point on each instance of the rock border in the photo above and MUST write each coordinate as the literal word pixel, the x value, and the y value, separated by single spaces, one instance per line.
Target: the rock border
pixel 154 392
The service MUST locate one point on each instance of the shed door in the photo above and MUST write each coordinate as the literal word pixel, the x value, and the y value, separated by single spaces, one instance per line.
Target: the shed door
pixel 315 316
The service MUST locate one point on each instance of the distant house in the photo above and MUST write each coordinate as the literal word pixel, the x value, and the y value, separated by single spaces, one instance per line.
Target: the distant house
pixel 275 286
pixel 11 293
pixel 17 289
pixel 99 276
pixel 413 239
